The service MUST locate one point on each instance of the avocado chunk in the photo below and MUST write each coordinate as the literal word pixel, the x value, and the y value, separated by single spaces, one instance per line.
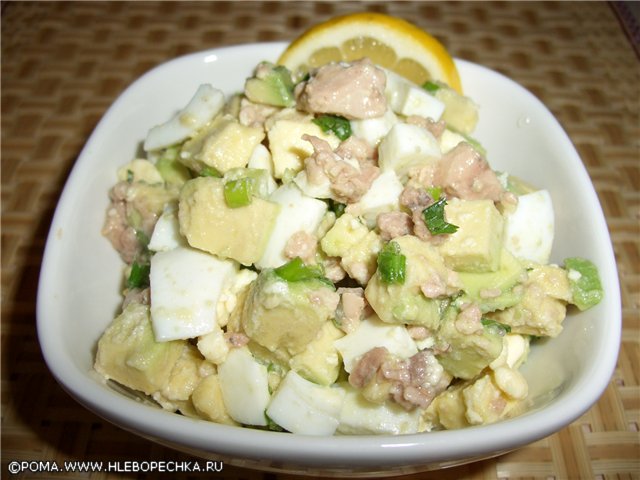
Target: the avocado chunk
pixel 289 150
pixel 208 402
pixel 495 290
pixel 285 316
pixel 209 224
pixel 270 85
pixel 542 308
pixel 518 186
pixel 355 245
pixel 222 145
pixel 477 244
pixel 185 375
pixel 171 170
pixel 460 112
pixel 586 289
pixel 129 354
pixel 320 361
pixel 140 170
pixel 449 407
pixel 468 354
pixel 406 302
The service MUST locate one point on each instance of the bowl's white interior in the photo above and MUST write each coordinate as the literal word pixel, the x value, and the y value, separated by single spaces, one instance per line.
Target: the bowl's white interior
pixel 79 287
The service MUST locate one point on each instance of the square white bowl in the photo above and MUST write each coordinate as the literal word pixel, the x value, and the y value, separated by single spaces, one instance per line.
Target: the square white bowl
pixel 79 285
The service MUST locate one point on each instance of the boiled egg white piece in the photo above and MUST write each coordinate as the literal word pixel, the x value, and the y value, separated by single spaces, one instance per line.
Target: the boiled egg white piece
pixel 529 229
pixel 361 417
pixel 304 407
pixel 202 108
pixel 244 384
pixel 407 98
pixel 185 287
pixel 406 146
pixel 298 212
pixel 371 333
pixel 166 233
pixel 382 196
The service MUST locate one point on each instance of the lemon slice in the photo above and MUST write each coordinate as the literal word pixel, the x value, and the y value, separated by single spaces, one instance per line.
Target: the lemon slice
pixel 388 41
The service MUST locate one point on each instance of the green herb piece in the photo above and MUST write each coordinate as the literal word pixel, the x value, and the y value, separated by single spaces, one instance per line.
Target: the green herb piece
pixel 434 219
pixel 584 281
pixel 305 78
pixel 273 368
pixel 392 264
pixel 494 327
pixel 296 271
pixel 139 275
pixel 271 425
pixel 339 126
pixel 129 176
pixel 431 87
pixel 336 207
pixel 435 192
pixel 143 238
pixel 207 171
pixel 238 193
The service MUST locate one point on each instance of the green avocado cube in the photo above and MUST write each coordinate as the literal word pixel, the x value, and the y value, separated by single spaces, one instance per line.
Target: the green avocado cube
pixel 209 224
pixel 460 112
pixel 584 280
pixel 271 85
pixel 172 171
pixel 285 316
pixel 477 244
pixel 468 354
pixel 320 362
pixel 222 145
pixel 129 354
pixel 495 290
pixel 405 303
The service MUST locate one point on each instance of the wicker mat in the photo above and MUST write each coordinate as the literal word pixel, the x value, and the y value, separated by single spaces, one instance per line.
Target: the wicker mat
pixel 63 64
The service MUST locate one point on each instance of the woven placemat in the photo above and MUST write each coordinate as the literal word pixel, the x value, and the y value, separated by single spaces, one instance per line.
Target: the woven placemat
pixel 63 64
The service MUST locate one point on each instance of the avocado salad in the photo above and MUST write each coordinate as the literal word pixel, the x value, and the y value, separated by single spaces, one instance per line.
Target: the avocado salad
pixel 331 254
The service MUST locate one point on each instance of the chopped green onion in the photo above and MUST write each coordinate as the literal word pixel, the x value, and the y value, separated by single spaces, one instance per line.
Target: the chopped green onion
pixel 139 275
pixel 143 238
pixel 392 264
pixel 434 219
pixel 296 271
pixel 435 193
pixel 238 193
pixel 271 425
pixel 305 78
pixel 431 87
pixel 207 171
pixel 129 176
pixel 494 327
pixel 584 281
pixel 339 126
pixel 336 207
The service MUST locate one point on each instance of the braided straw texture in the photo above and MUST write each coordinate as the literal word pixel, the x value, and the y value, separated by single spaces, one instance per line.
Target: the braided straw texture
pixel 63 64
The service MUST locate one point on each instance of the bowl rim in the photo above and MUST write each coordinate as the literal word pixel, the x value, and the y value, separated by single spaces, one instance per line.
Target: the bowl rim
pixel 326 451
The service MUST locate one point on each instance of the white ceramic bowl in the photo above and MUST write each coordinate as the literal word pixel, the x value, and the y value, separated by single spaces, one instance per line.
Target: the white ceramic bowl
pixel 78 292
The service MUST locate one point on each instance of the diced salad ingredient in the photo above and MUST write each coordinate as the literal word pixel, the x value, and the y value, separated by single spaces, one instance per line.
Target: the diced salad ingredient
pixel 332 255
